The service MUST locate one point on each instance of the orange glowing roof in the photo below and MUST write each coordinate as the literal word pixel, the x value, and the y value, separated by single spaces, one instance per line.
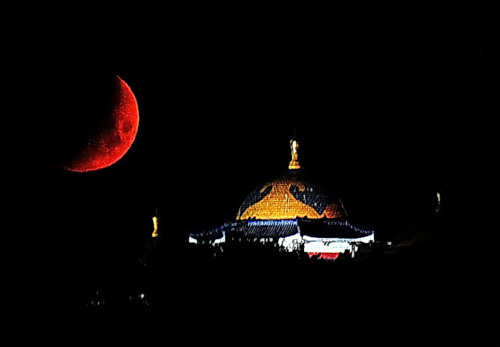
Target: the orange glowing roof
pixel 289 199
pixel 290 196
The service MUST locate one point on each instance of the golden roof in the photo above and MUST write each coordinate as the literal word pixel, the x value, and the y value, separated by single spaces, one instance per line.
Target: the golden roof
pixel 290 196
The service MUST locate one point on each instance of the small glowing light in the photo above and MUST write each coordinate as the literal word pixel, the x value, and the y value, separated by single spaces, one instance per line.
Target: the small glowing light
pixel 294 163
pixel 155 225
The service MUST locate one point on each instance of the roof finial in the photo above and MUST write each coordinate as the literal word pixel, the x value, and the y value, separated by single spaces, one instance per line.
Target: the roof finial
pixel 294 147
pixel 155 224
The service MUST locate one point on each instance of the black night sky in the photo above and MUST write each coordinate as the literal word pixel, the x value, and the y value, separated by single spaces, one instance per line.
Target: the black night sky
pixel 392 101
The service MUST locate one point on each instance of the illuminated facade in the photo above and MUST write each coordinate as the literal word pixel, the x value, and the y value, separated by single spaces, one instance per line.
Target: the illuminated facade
pixel 296 213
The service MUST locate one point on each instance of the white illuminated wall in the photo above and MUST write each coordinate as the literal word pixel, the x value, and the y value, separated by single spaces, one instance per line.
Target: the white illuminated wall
pixel 291 243
pixel 333 245
pixel 322 245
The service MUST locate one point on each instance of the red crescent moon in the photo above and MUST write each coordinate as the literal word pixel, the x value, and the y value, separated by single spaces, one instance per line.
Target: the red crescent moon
pixel 115 138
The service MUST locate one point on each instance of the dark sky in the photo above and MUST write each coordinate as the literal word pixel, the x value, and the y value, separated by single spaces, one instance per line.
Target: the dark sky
pixel 391 101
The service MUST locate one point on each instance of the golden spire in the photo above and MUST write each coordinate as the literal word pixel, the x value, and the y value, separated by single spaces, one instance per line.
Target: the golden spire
pixel 155 224
pixel 294 163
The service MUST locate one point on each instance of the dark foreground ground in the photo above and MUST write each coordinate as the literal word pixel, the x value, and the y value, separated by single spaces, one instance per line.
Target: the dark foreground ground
pixel 250 294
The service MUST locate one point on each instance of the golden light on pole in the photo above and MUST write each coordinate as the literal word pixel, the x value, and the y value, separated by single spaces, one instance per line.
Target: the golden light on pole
pixel 155 226
pixel 294 163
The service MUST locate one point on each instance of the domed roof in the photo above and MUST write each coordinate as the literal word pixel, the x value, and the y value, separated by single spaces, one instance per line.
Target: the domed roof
pixel 290 196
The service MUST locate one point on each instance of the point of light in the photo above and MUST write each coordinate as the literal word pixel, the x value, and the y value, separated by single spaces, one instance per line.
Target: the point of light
pixel 438 206
pixel 294 163
pixel 155 225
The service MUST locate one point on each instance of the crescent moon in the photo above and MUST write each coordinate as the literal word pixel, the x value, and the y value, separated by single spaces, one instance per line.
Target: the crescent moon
pixel 113 140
